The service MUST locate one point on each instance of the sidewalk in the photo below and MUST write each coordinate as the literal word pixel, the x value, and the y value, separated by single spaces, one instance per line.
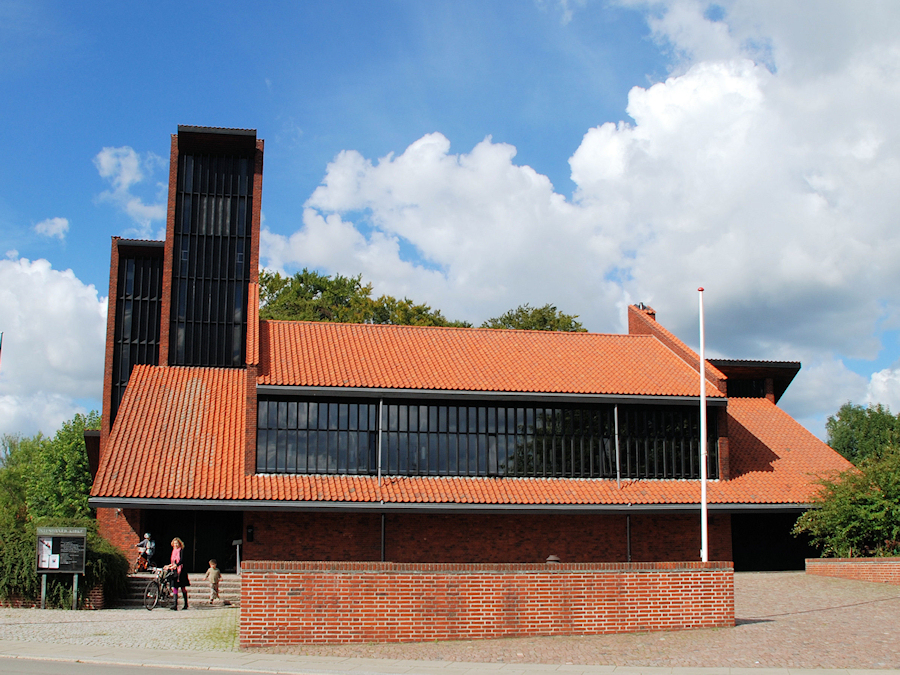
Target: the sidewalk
pixel 787 623
pixel 320 665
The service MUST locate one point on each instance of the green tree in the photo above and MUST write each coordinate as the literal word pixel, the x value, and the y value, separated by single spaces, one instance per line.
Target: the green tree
pixel 60 477
pixel 858 432
pixel 46 482
pixel 405 312
pixel 857 512
pixel 311 296
pixel 19 459
pixel 526 317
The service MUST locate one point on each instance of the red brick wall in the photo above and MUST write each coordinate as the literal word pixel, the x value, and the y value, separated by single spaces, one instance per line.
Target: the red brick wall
pixel 257 211
pixel 95 599
pixel 165 312
pixel 486 538
pixel 724 451
pixel 251 410
pixel 880 570
pixel 658 538
pixel 121 527
pixel 105 422
pixel 19 603
pixel 304 602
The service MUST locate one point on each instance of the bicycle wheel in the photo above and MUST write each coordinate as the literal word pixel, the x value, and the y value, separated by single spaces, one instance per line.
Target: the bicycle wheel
pixel 165 592
pixel 151 594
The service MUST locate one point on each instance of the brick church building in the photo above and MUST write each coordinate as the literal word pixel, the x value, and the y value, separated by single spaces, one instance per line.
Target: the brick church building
pixel 343 442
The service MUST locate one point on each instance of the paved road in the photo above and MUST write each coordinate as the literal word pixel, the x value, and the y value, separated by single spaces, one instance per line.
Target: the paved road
pixel 786 622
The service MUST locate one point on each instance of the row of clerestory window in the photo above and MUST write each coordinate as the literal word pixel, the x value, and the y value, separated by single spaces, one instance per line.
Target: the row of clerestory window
pixel 406 438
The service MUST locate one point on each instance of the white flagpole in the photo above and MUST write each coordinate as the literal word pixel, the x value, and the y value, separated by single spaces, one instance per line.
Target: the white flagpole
pixel 704 534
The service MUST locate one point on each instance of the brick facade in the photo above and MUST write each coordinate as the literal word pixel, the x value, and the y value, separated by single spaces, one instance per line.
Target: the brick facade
pixel 95 599
pixel 121 528
pixel 294 603
pixel 879 570
pixel 105 421
pixel 20 603
pixel 165 312
pixel 482 538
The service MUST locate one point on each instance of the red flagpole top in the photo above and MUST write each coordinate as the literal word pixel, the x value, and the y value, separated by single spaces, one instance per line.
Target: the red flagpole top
pixel 700 289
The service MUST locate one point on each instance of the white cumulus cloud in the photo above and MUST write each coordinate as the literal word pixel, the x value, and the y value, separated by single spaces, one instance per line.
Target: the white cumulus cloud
pixel 54 330
pixel 126 170
pixel 884 388
pixel 53 227
pixel 764 168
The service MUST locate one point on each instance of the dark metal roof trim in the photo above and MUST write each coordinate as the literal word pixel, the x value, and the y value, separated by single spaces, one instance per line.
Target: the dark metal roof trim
pixel 404 507
pixel 781 372
pixel 795 365
pixel 380 392
pixel 184 128
pixel 136 243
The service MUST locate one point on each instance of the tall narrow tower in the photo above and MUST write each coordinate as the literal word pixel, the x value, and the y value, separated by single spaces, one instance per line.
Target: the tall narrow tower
pixel 212 245
pixel 184 301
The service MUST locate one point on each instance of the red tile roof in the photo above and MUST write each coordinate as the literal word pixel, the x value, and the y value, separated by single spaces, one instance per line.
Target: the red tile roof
pixel 470 359
pixel 179 435
pixel 642 321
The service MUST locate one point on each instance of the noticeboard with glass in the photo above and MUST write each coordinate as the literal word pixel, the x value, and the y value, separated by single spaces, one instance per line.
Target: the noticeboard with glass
pixel 61 549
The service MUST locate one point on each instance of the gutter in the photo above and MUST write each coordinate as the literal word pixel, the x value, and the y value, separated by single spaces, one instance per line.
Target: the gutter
pixel 448 395
pixel 261 505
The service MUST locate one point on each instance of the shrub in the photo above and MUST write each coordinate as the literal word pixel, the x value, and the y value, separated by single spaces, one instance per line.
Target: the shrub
pixel 104 566
pixel 857 512
pixel 45 482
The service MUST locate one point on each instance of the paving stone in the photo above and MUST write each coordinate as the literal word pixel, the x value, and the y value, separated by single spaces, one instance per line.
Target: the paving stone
pixel 786 622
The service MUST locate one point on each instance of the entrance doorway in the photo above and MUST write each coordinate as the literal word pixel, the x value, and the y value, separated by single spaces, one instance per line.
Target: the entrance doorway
pixel 206 534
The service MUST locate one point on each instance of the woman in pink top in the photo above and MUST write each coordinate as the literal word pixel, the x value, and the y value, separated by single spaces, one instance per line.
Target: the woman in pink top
pixel 181 578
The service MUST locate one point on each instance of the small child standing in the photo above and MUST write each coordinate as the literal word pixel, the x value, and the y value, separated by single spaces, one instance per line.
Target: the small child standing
pixel 213 575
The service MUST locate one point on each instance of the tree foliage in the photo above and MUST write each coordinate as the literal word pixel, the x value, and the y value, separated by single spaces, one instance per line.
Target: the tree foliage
pixel 858 432
pixel 526 317
pixel 857 512
pixel 46 482
pixel 311 296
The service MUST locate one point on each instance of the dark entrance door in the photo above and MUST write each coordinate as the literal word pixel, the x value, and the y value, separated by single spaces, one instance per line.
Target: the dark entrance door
pixel 206 534
pixel 762 542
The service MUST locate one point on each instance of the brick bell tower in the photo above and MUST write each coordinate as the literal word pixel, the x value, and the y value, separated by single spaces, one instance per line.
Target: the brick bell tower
pixel 185 301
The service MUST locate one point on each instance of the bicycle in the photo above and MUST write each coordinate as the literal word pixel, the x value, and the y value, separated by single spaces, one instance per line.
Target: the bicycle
pixel 159 587
pixel 141 564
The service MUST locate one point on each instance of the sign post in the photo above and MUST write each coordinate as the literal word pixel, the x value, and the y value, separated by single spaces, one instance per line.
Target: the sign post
pixel 60 550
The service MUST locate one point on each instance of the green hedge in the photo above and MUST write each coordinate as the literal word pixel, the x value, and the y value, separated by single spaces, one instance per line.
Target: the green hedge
pixel 105 566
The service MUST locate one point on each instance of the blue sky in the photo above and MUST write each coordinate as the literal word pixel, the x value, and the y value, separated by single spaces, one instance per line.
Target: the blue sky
pixel 312 78
pixel 476 156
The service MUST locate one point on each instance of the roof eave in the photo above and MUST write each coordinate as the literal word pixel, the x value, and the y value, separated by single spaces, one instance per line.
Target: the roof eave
pixel 260 505
pixel 562 397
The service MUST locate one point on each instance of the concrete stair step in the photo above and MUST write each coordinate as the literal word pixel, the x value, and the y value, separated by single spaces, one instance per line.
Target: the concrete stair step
pixel 198 591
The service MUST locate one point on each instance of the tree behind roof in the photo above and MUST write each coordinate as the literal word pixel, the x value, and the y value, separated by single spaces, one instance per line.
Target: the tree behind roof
pixel 526 317
pixel 311 296
pixel 858 432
